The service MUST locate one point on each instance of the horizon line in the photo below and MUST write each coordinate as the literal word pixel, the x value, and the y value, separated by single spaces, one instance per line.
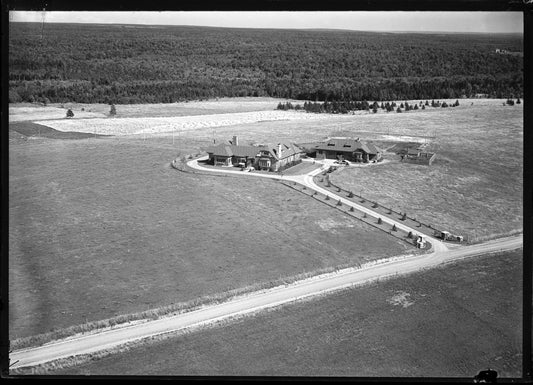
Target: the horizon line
pixel 275 28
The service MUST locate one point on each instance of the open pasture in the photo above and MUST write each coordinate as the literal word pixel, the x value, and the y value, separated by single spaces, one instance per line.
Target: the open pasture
pixel 474 187
pixel 105 227
pixel 452 321
pixel 32 112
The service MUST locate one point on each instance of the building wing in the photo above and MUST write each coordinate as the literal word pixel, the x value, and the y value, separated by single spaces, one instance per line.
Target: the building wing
pixel 347 145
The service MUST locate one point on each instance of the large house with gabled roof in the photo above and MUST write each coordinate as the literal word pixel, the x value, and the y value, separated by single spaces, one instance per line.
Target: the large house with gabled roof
pixel 348 149
pixel 263 157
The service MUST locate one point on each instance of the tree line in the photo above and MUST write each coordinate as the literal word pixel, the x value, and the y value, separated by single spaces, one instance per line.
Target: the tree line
pixel 115 64
pixel 344 107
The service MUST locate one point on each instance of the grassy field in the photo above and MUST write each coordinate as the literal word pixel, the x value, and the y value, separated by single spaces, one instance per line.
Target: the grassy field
pixel 29 111
pixel 452 321
pixel 104 227
pixel 110 216
pixel 473 188
pixel 34 130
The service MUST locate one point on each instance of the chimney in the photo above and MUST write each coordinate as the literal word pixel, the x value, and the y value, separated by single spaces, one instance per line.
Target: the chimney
pixel 235 141
pixel 279 150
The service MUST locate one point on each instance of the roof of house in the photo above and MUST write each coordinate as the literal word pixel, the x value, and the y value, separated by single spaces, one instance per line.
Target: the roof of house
pixel 287 149
pixel 348 145
pixel 232 150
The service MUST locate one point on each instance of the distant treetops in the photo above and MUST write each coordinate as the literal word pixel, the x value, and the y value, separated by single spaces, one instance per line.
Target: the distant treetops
pixel 344 107
pixel 107 64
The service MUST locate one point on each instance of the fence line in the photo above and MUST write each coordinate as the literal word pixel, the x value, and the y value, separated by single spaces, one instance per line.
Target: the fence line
pixel 378 204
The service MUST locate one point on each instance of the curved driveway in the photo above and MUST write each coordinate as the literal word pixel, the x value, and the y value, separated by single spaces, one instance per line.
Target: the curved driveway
pixel 307 180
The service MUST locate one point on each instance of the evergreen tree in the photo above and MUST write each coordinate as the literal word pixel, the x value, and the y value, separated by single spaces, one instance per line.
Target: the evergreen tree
pixel 113 110
pixel 70 114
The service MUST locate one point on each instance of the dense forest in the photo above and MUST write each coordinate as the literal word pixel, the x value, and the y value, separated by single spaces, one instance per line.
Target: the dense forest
pixel 148 64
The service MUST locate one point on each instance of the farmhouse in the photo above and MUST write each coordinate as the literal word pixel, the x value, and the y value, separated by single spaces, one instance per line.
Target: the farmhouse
pixel 348 149
pixel 264 157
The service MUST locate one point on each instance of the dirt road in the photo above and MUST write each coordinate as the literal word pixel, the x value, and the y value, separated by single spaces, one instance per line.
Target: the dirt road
pixel 114 338
pixel 284 294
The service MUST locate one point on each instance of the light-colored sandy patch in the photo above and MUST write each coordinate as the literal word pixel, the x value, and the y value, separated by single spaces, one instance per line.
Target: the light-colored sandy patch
pixel 403 138
pixel 331 225
pixel 156 125
pixel 401 299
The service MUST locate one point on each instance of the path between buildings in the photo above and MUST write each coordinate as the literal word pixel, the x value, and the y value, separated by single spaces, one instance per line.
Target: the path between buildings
pixel 114 338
